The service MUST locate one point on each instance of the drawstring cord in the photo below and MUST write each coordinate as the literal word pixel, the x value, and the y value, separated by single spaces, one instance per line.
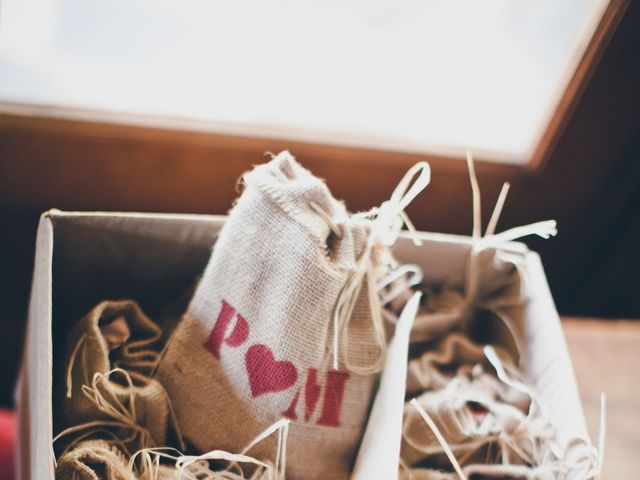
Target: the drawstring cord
pixel 413 275
pixel 150 462
pixel 386 222
pixel 441 440
pixel 275 471
pixel 72 362
pixel 123 417
pixel 120 415
pixel 327 218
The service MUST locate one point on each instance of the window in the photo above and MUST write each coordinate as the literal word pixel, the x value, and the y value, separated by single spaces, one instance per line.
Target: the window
pixel 426 76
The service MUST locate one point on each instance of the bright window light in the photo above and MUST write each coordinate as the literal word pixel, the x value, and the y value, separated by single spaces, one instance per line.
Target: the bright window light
pixel 412 75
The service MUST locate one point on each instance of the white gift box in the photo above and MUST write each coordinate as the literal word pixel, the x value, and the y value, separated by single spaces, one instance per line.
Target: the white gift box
pixel 83 258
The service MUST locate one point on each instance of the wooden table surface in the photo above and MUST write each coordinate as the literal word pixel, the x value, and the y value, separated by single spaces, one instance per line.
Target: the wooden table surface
pixel 606 358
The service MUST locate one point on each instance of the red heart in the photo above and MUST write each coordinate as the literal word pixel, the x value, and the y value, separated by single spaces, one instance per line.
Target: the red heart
pixel 265 373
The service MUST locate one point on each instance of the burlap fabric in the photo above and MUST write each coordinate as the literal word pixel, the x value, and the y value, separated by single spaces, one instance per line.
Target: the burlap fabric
pixel 440 312
pixel 255 343
pixel 471 411
pixel 167 473
pixel 112 350
pixel 93 460
pixel 491 428
pixel 487 307
pixel 495 428
pixel 454 355
pixel 471 407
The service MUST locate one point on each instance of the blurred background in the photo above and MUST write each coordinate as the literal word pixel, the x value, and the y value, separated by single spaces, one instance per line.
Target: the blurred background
pixel 159 106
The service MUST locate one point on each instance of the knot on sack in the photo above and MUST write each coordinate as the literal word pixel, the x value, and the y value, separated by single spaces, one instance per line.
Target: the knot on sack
pixel 385 224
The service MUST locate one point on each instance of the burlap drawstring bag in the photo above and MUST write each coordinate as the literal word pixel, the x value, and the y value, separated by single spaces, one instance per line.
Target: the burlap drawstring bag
pixel 508 441
pixel 93 460
pixel 286 322
pixel 491 301
pixel 480 424
pixel 458 357
pixel 455 354
pixel 125 398
pixel 490 296
pixel 471 411
pixel 440 313
pixel 483 420
pixel 114 334
pixel 515 441
pixel 452 415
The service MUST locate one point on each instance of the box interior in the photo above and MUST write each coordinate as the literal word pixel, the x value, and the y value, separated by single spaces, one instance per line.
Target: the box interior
pixel 153 260
pixel 157 259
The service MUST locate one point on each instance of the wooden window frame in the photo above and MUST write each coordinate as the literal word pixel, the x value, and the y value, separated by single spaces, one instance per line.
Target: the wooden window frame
pixel 129 127
pixel 84 160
